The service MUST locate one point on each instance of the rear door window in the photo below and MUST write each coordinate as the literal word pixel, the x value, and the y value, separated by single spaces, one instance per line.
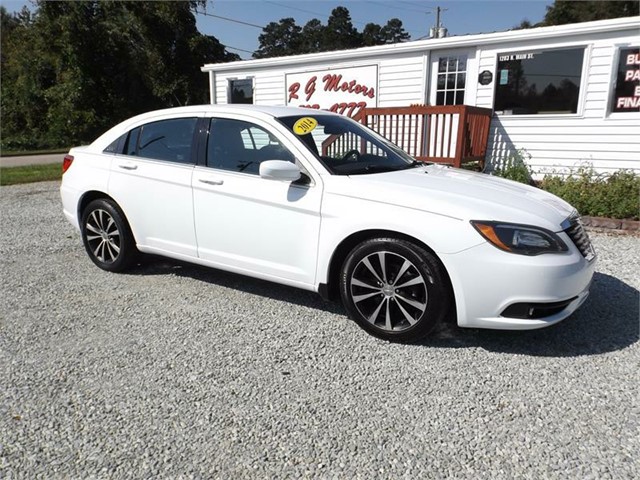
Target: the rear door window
pixel 170 140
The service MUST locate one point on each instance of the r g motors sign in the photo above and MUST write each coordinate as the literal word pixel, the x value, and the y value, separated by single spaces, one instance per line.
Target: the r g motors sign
pixel 342 90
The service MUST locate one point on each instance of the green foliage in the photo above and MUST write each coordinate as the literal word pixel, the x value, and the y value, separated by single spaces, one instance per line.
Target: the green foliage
pixel 572 11
pixel 515 168
pixel 615 196
pixel 70 70
pixel 569 11
pixel 286 38
pixel 279 39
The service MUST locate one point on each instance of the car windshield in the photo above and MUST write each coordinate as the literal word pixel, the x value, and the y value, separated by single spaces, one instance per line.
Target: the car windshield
pixel 346 147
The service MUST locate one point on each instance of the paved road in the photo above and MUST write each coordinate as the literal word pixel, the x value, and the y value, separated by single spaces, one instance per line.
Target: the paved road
pixel 177 371
pixel 31 160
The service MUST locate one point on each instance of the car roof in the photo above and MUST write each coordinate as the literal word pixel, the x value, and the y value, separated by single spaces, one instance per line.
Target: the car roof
pixel 255 111
pixel 270 110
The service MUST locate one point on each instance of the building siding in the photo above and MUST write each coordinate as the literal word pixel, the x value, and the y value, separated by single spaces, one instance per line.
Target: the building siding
pixel 592 136
pixel 558 143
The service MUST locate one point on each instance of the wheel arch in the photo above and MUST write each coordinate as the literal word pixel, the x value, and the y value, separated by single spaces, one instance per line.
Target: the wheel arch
pixel 331 291
pixel 92 195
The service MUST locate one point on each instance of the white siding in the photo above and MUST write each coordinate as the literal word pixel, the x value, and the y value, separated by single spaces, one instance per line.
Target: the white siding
pixel 268 86
pixel 401 81
pixel 557 142
pixel 591 135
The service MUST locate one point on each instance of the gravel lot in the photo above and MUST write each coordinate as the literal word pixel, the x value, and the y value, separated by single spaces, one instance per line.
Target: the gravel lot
pixel 179 371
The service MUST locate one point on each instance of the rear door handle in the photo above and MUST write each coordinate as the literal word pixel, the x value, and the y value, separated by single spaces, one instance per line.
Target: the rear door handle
pixel 211 182
pixel 128 166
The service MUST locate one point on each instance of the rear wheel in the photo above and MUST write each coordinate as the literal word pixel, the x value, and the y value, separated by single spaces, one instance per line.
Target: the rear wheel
pixel 107 237
pixel 394 289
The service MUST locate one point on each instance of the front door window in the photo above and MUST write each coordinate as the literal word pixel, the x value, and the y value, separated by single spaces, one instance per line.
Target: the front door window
pixel 451 80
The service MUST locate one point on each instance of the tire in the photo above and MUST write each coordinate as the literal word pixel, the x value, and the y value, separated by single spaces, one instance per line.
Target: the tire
pixel 394 289
pixel 107 237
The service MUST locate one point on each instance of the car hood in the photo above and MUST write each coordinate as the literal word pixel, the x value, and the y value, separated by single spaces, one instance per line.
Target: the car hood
pixel 458 194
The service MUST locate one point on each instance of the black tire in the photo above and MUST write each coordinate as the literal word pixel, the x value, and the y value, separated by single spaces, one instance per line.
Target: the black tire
pixel 107 237
pixel 394 289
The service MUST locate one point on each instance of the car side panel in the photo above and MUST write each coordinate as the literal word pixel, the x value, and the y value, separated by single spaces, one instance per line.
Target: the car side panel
pixel 158 203
pixel 88 172
pixel 258 225
pixel 343 216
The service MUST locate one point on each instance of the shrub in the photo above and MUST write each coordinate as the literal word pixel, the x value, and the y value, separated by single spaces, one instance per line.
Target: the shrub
pixel 515 168
pixel 602 195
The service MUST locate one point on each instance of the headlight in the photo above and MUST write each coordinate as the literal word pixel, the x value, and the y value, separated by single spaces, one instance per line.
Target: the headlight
pixel 522 239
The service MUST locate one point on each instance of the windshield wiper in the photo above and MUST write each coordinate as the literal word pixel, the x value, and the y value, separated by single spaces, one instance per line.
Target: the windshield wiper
pixel 415 163
pixel 375 169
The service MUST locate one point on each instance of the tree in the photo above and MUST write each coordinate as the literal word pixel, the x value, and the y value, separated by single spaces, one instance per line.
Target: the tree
pixel 286 38
pixel 393 32
pixel 279 39
pixel 311 38
pixel 340 34
pixel 372 35
pixel 563 11
pixel 571 11
pixel 72 69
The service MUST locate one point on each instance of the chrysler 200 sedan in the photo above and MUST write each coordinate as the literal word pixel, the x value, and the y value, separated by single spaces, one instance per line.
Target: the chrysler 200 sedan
pixel 318 201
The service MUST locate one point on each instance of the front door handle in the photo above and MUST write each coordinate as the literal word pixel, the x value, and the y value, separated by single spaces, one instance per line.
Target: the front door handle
pixel 211 182
pixel 128 166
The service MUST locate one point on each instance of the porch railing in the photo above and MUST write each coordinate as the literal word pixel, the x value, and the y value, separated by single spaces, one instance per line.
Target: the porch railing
pixel 454 134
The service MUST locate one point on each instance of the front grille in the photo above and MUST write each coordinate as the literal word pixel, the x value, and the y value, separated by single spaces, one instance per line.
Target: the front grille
pixel 579 236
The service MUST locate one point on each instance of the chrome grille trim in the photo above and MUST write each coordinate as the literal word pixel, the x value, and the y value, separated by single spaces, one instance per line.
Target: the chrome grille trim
pixel 579 236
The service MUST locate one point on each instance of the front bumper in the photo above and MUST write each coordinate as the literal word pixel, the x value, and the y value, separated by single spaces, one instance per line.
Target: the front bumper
pixel 490 285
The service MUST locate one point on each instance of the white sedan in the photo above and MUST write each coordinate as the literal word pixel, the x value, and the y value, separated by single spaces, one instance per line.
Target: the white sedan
pixel 317 201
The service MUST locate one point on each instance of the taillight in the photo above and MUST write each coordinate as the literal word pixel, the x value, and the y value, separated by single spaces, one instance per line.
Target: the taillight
pixel 66 163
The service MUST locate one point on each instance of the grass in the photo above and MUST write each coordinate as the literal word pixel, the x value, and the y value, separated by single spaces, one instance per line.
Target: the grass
pixel 20 153
pixel 30 173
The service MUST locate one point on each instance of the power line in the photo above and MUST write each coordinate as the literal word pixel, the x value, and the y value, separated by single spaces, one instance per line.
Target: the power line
pixel 309 11
pixel 296 8
pixel 396 7
pixel 413 4
pixel 236 48
pixel 230 19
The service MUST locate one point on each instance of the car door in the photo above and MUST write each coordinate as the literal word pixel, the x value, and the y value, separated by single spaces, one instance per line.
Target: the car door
pixel 249 224
pixel 151 181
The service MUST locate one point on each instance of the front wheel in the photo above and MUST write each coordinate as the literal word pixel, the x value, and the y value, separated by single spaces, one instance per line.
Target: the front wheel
pixel 107 237
pixel 394 289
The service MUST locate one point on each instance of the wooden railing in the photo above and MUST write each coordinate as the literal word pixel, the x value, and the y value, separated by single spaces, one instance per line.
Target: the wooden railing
pixel 454 134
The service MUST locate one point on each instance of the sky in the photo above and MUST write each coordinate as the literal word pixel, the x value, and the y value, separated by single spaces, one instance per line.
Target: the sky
pixel 458 16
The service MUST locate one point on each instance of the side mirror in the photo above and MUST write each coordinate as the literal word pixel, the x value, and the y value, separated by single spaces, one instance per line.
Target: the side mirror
pixel 279 170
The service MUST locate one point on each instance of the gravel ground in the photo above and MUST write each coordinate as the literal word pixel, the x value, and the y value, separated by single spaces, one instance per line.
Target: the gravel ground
pixel 178 371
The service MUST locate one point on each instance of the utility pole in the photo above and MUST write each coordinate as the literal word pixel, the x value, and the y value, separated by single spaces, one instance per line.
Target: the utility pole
pixel 438 31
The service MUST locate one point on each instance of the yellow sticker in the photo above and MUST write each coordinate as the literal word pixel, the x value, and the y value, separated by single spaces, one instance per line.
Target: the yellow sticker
pixel 304 125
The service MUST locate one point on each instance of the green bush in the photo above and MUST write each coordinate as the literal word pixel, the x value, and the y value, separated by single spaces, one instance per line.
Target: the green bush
pixel 601 195
pixel 515 168
pixel 615 195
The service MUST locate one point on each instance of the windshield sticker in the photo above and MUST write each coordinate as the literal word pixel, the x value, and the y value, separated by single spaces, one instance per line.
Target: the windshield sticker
pixel 304 125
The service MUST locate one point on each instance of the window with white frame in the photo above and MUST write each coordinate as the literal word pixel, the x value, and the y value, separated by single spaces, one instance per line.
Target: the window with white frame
pixel 452 78
pixel 539 82
pixel 241 91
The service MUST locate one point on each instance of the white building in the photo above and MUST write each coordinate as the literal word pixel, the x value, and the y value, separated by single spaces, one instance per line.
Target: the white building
pixel 562 95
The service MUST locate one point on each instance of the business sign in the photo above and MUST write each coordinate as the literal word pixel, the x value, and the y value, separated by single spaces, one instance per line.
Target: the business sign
pixel 342 90
pixel 626 96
